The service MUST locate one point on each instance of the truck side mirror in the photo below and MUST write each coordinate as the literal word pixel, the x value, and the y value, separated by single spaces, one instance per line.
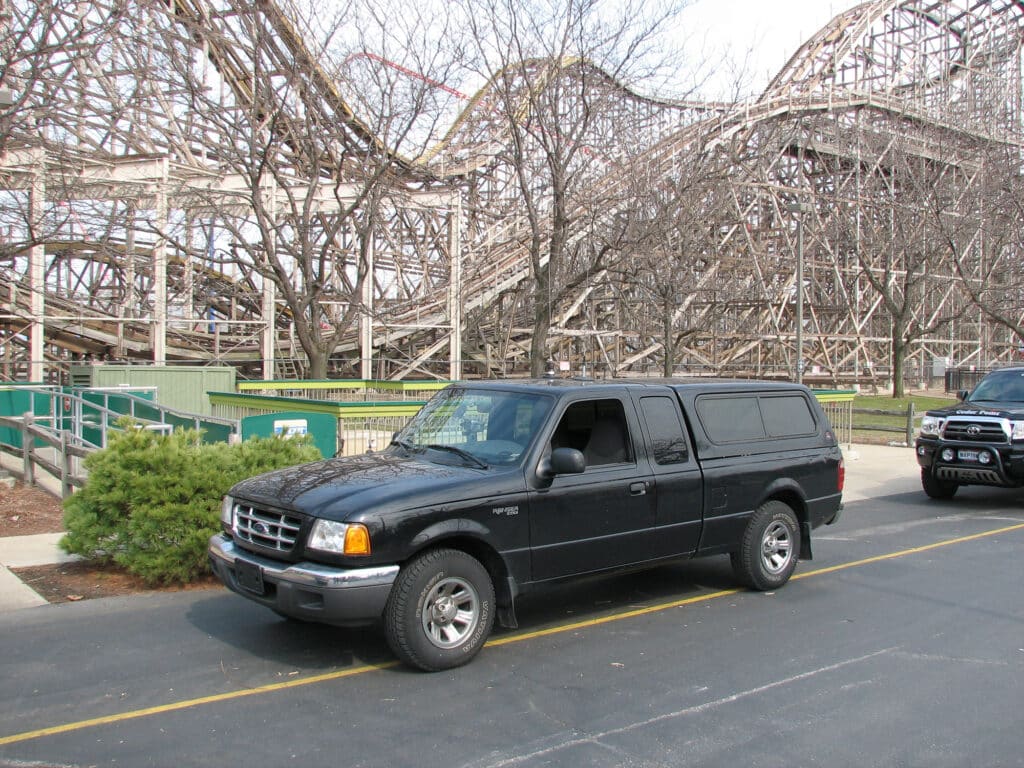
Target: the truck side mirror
pixel 962 394
pixel 563 461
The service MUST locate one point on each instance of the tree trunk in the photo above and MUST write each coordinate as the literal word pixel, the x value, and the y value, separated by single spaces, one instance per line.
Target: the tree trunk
pixel 317 364
pixel 899 354
pixel 667 340
pixel 539 343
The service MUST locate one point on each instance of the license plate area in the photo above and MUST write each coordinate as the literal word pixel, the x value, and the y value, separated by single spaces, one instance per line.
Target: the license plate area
pixel 249 576
pixel 968 455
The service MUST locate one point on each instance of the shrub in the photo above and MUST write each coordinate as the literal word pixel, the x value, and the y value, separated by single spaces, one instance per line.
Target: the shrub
pixel 152 501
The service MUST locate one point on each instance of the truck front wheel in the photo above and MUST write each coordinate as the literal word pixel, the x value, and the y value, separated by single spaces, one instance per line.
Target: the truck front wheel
pixel 769 549
pixel 440 610
pixel 935 488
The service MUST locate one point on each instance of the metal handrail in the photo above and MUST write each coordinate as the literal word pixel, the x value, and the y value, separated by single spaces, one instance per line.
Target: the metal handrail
pixel 63 428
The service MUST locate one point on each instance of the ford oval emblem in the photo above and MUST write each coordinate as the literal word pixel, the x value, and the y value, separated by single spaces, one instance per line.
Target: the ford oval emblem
pixel 260 527
pixel 973 430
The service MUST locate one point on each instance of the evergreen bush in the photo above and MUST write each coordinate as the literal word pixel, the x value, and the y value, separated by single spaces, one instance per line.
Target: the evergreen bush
pixel 152 501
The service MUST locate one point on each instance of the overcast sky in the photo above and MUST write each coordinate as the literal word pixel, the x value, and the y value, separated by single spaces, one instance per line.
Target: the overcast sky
pixel 772 30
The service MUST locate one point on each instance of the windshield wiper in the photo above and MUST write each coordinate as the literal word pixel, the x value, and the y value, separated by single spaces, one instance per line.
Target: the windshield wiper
pixel 407 447
pixel 458 452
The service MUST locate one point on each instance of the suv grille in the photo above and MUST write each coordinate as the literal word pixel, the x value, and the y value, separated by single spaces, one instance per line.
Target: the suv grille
pixel 266 528
pixel 975 431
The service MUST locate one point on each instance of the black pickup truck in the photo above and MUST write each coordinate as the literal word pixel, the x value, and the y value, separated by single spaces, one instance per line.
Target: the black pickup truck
pixel 495 488
pixel 977 441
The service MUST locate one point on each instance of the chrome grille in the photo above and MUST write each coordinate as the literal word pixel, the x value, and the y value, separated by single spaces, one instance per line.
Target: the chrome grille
pixel 975 431
pixel 266 528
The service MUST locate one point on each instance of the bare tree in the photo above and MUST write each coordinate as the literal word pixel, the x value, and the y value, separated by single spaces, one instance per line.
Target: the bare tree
pixel 325 149
pixel 42 43
pixel 986 239
pixel 903 253
pixel 672 245
pixel 556 73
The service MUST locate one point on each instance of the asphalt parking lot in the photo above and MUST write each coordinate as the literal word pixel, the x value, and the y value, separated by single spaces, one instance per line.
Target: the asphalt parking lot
pixel 901 643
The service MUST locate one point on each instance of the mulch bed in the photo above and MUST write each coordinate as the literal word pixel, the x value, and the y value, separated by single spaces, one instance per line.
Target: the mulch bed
pixel 27 510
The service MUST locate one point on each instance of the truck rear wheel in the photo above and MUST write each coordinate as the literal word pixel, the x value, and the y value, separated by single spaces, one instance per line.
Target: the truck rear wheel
pixel 769 549
pixel 935 488
pixel 440 610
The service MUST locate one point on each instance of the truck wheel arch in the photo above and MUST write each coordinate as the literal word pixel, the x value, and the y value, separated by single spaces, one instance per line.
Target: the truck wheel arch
pixel 790 494
pixel 451 535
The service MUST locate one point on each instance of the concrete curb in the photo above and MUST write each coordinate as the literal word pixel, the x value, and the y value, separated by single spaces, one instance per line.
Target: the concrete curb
pixel 15 594
pixel 24 552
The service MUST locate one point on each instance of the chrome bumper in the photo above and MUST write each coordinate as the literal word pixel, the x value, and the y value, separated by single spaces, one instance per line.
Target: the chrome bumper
pixel 307 591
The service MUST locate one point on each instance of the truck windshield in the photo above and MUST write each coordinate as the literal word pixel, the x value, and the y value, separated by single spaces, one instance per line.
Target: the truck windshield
pixel 1003 386
pixel 486 427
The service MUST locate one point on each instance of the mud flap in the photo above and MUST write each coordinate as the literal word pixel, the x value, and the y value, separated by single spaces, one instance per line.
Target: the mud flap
pixel 805 541
pixel 506 612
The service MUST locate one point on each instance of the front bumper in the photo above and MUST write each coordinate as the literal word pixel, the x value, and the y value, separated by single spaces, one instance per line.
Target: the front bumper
pixel 307 591
pixel 1006 469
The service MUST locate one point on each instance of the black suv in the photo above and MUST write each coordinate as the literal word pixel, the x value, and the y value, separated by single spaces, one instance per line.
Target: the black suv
pixel 977 441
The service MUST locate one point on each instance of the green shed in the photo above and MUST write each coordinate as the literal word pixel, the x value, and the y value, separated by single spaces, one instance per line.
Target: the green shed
pixel 180 387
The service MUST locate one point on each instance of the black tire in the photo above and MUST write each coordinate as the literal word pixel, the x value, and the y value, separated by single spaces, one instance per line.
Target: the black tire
pixel 935 488
pixel 440 610
pixel 769 549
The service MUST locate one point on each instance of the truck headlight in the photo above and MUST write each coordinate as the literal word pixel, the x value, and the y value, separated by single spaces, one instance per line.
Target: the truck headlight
pixel 931 426
pixel 227 511
pixel 1017 430
pixel 339 538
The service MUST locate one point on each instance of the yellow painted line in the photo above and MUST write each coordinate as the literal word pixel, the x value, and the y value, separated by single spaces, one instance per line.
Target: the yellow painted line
pixel 562 628
pixel 912 551
pixel 517 638
pixel 189 703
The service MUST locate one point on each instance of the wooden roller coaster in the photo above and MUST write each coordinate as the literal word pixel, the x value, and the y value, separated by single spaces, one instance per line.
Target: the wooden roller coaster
pixel 129 230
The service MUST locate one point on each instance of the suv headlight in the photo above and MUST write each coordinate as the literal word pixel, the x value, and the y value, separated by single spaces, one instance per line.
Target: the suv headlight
pixel 931 426
pixel 1017 430
pixel 339 538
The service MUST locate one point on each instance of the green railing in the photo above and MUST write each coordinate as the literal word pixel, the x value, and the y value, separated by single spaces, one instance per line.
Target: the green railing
pixel 343 390
pixel 53 428
pixel 838 406
pixel 359 425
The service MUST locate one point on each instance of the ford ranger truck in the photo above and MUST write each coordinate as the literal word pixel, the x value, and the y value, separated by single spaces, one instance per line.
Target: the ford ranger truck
pixel 977 441
pixel 495 489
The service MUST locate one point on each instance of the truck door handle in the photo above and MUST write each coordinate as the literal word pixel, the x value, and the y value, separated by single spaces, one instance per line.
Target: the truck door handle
pixel 637 489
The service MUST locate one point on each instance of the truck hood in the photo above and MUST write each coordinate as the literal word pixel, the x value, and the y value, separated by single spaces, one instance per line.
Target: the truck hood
pixel 998 410
pixel 337 488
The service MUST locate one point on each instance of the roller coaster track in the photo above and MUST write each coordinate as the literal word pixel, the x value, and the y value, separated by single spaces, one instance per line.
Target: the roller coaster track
pixel 508 261
pixel 852 69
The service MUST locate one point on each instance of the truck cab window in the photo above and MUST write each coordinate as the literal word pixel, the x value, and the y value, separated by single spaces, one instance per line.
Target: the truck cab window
pixel 667 441
pixel 597 428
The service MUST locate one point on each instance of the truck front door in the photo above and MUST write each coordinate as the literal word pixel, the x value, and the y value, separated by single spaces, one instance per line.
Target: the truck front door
pixel 605 516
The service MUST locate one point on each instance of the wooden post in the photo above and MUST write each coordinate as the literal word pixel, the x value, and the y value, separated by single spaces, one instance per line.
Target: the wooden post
pixel 910 424
pixel 65 466
pixel 27 448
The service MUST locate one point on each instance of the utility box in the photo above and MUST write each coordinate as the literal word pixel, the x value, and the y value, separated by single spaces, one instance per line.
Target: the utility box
pixel 180 387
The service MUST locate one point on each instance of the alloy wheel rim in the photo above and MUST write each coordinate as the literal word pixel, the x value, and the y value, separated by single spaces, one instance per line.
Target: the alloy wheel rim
pixel 776 547
pixel 451 612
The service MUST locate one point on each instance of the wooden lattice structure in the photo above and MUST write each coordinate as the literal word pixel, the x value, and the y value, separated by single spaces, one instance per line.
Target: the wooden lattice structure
pixel 125 230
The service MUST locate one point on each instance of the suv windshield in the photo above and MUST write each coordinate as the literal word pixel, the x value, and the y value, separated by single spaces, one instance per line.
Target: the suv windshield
pixel 1000 386
pixel 476 427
